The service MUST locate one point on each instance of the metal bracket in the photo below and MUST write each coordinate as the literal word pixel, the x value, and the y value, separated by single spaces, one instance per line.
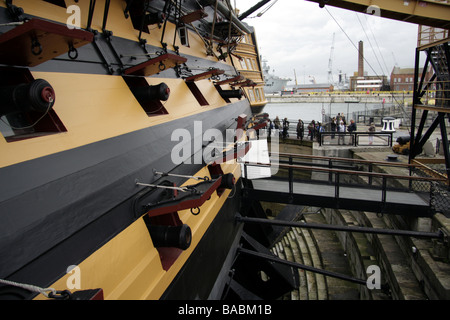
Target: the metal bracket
pixel 106 63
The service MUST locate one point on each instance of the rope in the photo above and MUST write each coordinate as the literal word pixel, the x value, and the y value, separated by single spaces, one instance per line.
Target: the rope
pixel 370 43
pixel 37 121
pixel 180 175
pixel 262 11
pixel 205 42
pixel 177 16
pixel 30 287
pixel 11 24
pixel 376 42
pixel 182 189
pixel 348 37
pixel 229 26
pixel 214 23
pixel 209 46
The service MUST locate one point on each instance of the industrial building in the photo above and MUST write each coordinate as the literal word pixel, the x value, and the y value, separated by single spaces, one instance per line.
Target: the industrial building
pixel 360 81
pixel 402 79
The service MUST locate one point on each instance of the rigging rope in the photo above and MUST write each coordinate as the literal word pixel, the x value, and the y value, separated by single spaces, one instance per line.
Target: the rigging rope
pixel 373 35
pixel 348 37
pixel 230 25
pixel 180 175
pixel 205 41
pixel 370 43
pixel 209 48
pixel 37 121
pixel 182 189
pixel 29 287
pixel 399 104
pixel 258 15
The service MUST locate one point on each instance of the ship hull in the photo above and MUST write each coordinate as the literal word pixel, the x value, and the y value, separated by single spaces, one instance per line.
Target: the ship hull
pixel 258 108
pixel 207 281
pixel 88 193
pixel 80 187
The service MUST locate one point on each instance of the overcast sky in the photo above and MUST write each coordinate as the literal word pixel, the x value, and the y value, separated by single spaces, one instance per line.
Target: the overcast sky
pixel 297 34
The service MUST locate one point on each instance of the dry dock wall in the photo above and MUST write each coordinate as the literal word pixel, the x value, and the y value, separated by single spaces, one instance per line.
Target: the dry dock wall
pixel 414 269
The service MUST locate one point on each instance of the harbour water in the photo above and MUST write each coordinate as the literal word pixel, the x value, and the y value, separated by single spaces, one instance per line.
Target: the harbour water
pixel 317 111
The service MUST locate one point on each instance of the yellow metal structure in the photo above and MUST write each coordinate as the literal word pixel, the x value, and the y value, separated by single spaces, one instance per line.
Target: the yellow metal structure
pixel 433 13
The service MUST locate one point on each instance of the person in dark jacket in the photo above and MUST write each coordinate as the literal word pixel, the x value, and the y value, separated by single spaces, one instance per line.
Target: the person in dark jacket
pixel 285 128
pixel 300 129
pixel 333 127
pixel 371 131
pixel 351 128
pixel 312 129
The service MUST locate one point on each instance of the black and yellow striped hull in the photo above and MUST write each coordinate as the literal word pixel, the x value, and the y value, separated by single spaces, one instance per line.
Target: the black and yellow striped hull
pixel 66 197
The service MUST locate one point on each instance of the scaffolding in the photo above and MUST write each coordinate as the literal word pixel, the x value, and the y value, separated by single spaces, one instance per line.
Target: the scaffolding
pixel 431 96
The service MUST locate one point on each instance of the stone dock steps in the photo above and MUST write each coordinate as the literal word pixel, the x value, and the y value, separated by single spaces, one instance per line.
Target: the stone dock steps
pixel 394 263
pixel 334 258
pixel 302 246
pixel 350 254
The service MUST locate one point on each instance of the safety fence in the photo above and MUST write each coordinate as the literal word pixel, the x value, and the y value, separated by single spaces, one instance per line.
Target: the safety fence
pixel 356 138
pixel 391 187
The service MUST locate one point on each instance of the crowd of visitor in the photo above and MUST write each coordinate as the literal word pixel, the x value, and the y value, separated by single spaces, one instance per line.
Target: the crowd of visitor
pixel 338 124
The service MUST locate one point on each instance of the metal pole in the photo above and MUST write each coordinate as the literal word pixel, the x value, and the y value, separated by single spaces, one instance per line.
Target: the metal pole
pixel 347 118
pixel 330 175
pixel 416 100
pixel 383 192
pixel 441 117
pixel 291 178
pixel 336 186
pixel 417 234
pixel 301 266
pixel 253 9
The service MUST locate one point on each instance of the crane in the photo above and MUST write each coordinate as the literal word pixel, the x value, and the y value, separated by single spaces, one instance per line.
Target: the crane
pixel 330 63
pixel 395 61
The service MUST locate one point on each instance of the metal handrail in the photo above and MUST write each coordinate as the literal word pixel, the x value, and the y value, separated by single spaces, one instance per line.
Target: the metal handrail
pixel 340 159
pixel 330 163
pixel 338 172
pixel 355 135
pixel 354 172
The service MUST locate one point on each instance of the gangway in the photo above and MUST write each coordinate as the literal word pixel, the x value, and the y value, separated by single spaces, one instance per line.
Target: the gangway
pixel 349 184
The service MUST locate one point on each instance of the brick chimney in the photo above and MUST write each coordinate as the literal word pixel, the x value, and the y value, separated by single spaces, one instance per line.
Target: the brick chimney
pixel 361 59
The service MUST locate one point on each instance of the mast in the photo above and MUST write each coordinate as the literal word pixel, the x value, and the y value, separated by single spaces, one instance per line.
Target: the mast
pixel 253 9
pixel 295 75
pixel 330 63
